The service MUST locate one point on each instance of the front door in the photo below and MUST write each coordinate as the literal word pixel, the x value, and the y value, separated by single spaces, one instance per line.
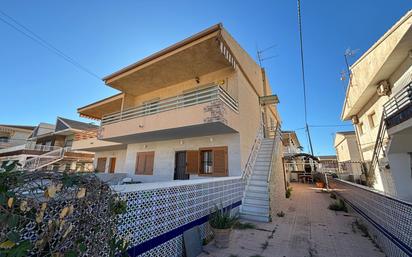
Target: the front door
pixel 180 166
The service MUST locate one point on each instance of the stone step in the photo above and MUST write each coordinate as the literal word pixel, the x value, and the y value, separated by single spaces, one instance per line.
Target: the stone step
pixel 259 195
pixel 259 177
pixel 253 188
pixel 256 201
pixel 261 183
pixel 257 209
pixel 253 217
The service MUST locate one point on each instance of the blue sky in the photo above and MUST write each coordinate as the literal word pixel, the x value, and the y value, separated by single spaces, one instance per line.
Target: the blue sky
pixel 105 36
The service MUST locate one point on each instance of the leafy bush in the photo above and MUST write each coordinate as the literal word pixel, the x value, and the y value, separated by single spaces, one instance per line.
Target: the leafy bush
pixel 338 206
pixel 221 219
pixel 288 192
pixel 280 214
pixel 47 213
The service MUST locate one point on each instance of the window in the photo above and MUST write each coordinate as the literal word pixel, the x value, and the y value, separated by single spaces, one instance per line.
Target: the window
pixel 206 161
pixel 144 163
pixel 101 164
pixel 112 165
pixel 361 129
pixel 372 120
pixel 4 139
pixel 213 161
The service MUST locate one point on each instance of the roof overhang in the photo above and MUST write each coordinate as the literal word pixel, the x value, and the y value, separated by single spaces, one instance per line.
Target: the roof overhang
pixel 193 57
pixel 377 64
pixel 97 109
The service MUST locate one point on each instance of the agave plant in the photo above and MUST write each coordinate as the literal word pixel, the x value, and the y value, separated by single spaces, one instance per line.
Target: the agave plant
pixel 222 219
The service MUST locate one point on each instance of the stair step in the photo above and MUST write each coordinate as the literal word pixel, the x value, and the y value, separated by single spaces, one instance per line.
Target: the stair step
pixel 259 177
pixel 254 217
pixel 257 209
pixel 254 194
pixel 256 201
pixel 261 183
pixel 252 188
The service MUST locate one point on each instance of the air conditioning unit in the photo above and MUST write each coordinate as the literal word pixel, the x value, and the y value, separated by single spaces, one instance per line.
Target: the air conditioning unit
pixel 383 88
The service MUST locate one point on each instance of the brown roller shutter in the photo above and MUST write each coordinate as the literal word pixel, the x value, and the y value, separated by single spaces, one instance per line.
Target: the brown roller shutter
pixel 149 163
pixel 192 162
pixel 144 163
pixel 101 164
pixel 220 161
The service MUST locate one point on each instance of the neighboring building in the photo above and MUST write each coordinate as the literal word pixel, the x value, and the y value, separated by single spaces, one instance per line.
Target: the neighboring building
pixel 192 110
pixel 348 156
pixel 378 101
pixel 12 135
pixel 49 147
pixel 328 163
pixel 291 144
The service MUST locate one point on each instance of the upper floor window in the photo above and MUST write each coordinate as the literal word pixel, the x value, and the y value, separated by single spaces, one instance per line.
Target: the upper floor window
pixel 372 120
pixel 361 128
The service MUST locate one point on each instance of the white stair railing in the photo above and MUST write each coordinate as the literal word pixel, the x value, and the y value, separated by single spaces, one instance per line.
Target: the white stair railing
pixel 44 159
pixel 253 154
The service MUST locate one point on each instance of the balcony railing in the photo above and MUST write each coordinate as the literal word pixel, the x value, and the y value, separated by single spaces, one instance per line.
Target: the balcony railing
pixel 398 108
pixel 188 99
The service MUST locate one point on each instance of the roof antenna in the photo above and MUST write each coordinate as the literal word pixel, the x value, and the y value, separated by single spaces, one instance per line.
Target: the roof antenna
pixel 262 58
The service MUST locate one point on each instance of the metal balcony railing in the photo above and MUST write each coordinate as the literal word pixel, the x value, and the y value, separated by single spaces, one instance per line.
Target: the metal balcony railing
pixel 398 104
pixel 180 101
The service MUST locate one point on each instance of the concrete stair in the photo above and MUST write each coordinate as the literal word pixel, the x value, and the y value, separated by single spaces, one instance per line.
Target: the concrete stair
pixel 255 205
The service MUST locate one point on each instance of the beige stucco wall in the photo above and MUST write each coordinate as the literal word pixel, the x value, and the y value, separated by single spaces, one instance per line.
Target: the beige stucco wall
pixel 120 156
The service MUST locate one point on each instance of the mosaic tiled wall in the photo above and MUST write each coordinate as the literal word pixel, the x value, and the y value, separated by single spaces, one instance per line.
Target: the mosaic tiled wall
pixel 157 217
pixel 389 220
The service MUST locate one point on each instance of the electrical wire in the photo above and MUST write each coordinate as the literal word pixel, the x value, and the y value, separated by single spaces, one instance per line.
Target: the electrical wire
pixel 303 77
pixel 42 42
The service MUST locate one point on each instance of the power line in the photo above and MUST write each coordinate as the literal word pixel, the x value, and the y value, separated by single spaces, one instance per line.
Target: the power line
pixel 36 38
pixel 330 126
pixel 303 76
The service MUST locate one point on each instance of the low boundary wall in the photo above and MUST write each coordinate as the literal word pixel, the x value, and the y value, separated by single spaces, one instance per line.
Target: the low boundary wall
pixel 158 213
pixel 389 220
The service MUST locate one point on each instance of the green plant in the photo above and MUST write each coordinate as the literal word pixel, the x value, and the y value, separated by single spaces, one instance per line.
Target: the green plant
pixel 338 206
pixel 66 214
pixel 247 225
pixel 280 214
pixel 333 196
pixel 221 219
pixel 288 192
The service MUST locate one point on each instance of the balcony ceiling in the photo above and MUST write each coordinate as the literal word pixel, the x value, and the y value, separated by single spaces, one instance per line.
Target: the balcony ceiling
pixel 105 106
pixel 208 129
pixel 184 63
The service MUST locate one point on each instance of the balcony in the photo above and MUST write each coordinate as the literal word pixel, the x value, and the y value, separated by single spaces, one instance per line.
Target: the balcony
pixel 398 109
pixel 206 111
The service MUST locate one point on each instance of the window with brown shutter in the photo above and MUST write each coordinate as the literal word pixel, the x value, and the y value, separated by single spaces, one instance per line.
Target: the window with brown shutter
pixel 101 164
pixel 144 163
pixel 220 161
pixel 192 162
pixel 213 161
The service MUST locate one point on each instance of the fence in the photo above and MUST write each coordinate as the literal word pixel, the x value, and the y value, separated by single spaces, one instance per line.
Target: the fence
pixel 158 213
pixel 389 220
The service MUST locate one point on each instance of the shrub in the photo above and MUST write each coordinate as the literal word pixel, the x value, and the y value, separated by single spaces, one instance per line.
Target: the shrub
pixel 221 219
pixel 338 206
pixel 280 214
pixel 288 192
pixel 47 213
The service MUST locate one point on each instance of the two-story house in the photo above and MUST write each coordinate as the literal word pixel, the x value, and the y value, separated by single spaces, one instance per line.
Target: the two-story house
pixel 378 101
pixel 49 146
pixel 192 110
pixel 12 135
pixel 348 155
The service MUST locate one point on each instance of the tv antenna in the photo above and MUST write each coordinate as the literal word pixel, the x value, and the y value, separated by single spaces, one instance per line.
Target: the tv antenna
pixel 260 53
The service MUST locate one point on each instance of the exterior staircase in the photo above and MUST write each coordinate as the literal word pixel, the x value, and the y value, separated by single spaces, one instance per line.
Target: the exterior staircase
pixel 44 160
pixel 255 205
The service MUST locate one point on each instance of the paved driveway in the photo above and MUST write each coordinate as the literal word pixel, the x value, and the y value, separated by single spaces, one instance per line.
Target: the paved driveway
pixel 308 228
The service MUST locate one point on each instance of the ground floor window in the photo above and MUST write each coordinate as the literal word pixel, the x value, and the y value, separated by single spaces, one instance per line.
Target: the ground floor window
pixel 213 161
pixel 144 163
pixel 101 164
